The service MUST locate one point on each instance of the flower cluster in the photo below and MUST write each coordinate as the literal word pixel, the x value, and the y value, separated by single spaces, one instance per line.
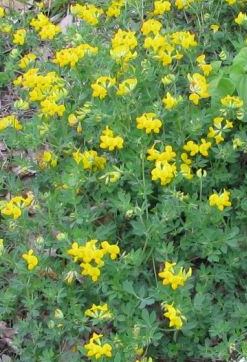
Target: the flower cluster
pixel 88 12
pixel 115 7
pixel 149 122
pixel 31 259
pixel 169 47
pixel 90 160
pixel 10 121
pixel 71 56
pixel 123 46
pixel 218 130
pixel 19 37
pixel 174 315
pixel 101 86
pixel 109 141
pixel 26 60
pixel 98 312
pixel 46 89
pixel 96 349
pixel 46 159
pixel 169 276
pixel 220 200
pixel 89 254
pixel 45 28
pixel 198 88
pixel 14 206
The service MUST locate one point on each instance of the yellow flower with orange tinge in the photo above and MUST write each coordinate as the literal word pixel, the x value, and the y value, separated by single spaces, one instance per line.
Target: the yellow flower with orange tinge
pixel 31 259
pixel 170 277
pixel 220 200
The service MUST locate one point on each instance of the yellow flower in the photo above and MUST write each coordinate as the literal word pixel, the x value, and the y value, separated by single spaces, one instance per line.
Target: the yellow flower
pixel 90 160
pixel 88 12
pixel 111 249
pixel 170 101
pixel 98 312
pixel 206 68
pixel 19 37
pixel 126 86
pixel 2 12
pixel 123 45
pixel 45 28
pixel 215 27
pixel 10 121
pixel 165 156
pixel 96 349
pixel 232 102
pixel 191 147
pixel 198 87
pixel 164 172
pixel 108 140
pixel 241 18
pixel 32 260
pixel 186 171
pixel 26 60
pixel 71 56
pixel 220 200
pixel 151 26
pixel 149 122
pixel 101 86
pixel 170 277
pixel 91 257
pixel 231 2
pixel 14 206
pixel 174 315
pixel 46 159
pixel 204 147
pixel 161 6
pixel 114 9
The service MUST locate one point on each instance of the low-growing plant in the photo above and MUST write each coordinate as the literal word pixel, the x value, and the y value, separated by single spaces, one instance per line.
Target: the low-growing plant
pixel 123 181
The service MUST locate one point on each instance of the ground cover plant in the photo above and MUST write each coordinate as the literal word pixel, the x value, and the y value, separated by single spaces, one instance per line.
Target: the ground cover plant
pixel 123 152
